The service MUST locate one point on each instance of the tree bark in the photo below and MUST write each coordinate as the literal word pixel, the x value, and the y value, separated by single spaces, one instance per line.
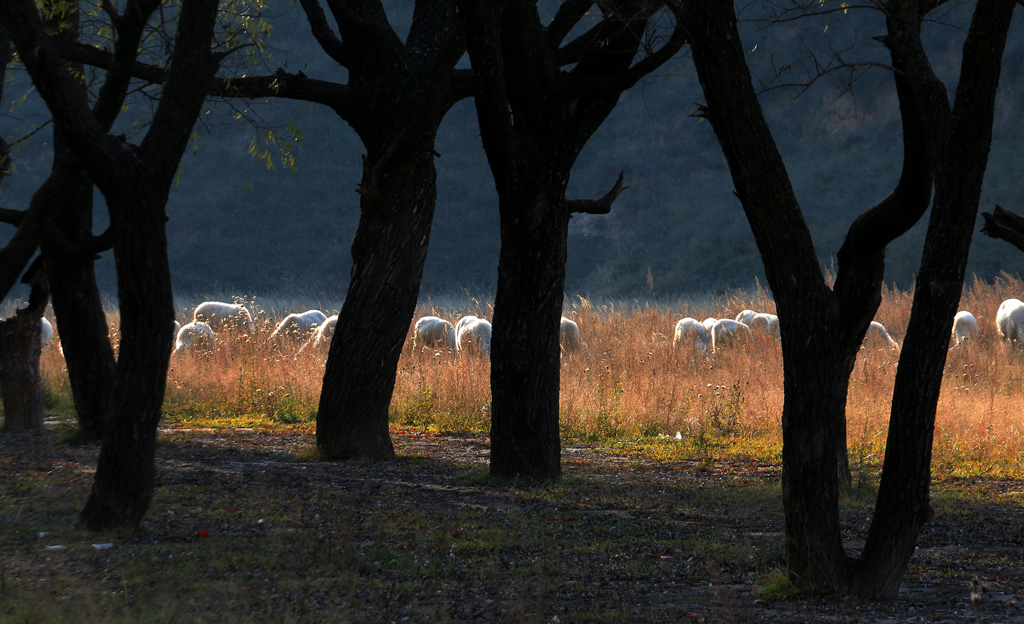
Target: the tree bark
pixel 821 330
pixel 20 349
pixel 396 98
pixel 525 364
pixel 534 120
pixel 20 379
pixel 70 261
pixel 136 182
pixel 388 255
pixel 961 154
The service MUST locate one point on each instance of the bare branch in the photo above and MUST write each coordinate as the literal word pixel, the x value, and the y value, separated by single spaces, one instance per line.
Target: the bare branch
pixel 602 205
pixel 323 34
pixel 1004 225
pixel 11 216
pixel 569 14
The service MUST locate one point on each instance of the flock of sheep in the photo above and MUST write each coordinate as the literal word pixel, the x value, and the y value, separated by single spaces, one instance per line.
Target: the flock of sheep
pixel 473 334
pixel 314 330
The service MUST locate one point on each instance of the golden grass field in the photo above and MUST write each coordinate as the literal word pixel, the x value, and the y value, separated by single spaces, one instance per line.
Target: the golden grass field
pixel 634 386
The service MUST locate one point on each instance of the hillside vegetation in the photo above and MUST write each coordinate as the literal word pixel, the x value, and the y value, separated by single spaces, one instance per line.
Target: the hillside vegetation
pixel 237 227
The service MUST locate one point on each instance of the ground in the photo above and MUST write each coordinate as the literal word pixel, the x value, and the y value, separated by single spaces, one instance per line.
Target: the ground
pixel 428 537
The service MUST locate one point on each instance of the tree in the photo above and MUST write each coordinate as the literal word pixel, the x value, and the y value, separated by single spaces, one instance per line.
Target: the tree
pixel 69 249
pixel 20 346
pixel 535 118
pixel 395 97
pixel 822 327
pixel 135 179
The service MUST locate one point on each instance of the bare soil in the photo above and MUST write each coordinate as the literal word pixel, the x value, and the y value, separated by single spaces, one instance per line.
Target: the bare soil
pixel 701 536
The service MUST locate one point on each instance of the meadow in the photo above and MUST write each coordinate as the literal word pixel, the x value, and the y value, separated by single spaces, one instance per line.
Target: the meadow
pixel 632 385
pixel 669 508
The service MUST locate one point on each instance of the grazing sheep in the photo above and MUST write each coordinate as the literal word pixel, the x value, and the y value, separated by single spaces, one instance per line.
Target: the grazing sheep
pixel 878 338
pixel 46 331
pixel 569 337
pixel 299 325
pixel 709 322
pixel 220 316
pixel 324 333
pixel 1010 320
pixel 764 324
pixel 745 317
pixel 473 334
pixel 195 337
pixel 965 327
pixel 728 331
pixel 434 332
pixel 690 329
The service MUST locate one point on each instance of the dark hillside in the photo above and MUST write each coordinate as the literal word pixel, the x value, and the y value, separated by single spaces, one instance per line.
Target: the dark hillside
pixel 237 228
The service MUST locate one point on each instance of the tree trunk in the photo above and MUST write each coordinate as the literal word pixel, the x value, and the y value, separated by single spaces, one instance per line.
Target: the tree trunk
pixel 20 380
pixel 76 301
pixel 388 255
pixel 525 364
pixel 126 473
pixel 961 154
pixel 814 407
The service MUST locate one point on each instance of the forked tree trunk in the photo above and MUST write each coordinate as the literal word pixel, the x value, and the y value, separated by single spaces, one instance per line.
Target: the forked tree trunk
pixel 77 305
pixel 525 364
pixel 20 378
pixel 388 255
pixel 962 149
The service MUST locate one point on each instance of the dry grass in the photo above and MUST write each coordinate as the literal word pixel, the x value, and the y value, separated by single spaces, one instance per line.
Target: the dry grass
pixel 633 385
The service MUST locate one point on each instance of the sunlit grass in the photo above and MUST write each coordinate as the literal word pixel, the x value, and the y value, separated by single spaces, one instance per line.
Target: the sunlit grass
pixel 631 388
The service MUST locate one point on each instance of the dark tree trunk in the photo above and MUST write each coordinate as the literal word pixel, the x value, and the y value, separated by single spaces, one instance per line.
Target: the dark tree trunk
pixel 76 300
pixel 961 153
pixel 136 181
pixel 821 330
pixel 69 260
pixel 20 380
pixel 535 119
pixel 388 255
pixel 126 474
pixel 397 95
pixel 525 364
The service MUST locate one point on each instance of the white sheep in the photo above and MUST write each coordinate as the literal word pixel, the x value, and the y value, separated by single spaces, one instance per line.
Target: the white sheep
pixel 965 327
pixel 46 331
pixel 324 333
pixel 878 338
pixel 690 329
pixel 220 316
pixel 434 332
pixel 745 317
pixel 177 327
pixel 473 334
pixel 1010 320
pixel 764 324
pixel 299 325
pixel 194 337
pixel 570 340
pixel 709 322
pixel 728 331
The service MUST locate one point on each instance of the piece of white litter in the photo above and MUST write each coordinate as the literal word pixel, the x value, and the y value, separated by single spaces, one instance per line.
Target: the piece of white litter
pixel 55 547
pixel 43 534
pixel 679 435
pixel 103 546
